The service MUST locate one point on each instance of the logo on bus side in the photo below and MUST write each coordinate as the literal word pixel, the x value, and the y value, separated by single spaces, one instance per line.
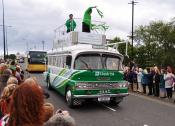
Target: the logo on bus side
pixel 99 73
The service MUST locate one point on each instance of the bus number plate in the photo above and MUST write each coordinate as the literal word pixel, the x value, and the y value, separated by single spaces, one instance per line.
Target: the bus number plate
pixel 103 98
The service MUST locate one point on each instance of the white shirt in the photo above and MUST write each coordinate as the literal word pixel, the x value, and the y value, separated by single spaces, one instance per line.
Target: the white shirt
pixel 169 79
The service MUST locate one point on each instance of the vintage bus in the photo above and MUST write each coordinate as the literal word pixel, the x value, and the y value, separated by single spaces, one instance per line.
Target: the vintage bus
pixel 36 61
pixel 85 68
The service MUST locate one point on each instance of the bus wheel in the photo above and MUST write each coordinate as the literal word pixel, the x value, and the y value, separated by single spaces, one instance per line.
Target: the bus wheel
pixel 48 84
pixel 69 98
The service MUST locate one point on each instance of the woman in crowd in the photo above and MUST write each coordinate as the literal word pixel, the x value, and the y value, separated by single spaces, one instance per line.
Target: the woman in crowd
pixel 6 99
pixel 144 80
pixel 33 80
pixel 150 76
pixel 162 92
pixel 3 78
pixel 12 80
pixel 156 81
pixel 139 77
pixel 26 106
pixel 169 80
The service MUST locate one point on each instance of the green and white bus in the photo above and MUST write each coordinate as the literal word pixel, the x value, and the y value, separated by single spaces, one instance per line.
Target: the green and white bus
pixel 83 70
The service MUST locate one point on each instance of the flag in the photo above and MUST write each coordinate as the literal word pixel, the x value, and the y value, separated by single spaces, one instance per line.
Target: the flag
pixel 100 13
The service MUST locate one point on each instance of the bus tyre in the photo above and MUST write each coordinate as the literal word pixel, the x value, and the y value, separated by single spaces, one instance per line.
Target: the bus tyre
pixel 69 99
pixel 48 84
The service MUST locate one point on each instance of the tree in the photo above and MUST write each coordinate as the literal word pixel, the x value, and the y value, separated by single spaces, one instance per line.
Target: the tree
pixel 157 40
pixel 12 56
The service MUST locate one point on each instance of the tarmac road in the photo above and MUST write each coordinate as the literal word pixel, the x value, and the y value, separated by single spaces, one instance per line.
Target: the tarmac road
pixel 135 110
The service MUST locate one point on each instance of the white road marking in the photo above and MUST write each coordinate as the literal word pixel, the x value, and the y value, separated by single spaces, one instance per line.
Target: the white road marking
pixel 145 125
pixel 154 100
pixel 109 107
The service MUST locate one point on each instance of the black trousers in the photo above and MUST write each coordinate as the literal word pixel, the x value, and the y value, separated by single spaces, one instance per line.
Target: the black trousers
pixel 169 92
pixel 156 89
pixel 85 27
pixel 144 88
pixel 150 86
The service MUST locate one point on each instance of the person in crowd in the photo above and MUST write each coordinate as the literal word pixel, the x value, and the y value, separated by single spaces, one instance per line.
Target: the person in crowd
pixel 13 68
pixel 18 74
pixel 134 77
pixel 162 93
pixel 48 111
pixel 6 99
pixel 4 77
pixel 2 68
pixel 169 80
pixel 156 82
pixel 144 80
pixel 61 118
pixel 126 72
pixel 12 80
pixel 86 24
pixel 150 80
pixel 70 23
pixel 139 77
pixel 132 65
pixel 27 106
pixel 33 80
pixel 130 79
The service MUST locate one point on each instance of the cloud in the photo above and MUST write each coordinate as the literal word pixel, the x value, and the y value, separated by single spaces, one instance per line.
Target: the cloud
pixel 33 21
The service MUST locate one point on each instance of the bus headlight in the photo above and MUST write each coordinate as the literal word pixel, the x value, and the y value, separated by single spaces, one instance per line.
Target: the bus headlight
pixel 83 86
pixel 124 84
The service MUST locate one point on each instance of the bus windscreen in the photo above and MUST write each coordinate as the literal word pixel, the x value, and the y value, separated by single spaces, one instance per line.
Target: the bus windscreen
pixel 37 57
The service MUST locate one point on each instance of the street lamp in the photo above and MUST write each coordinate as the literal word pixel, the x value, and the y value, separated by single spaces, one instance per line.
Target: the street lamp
pixel 6 43
pixel 3 23
pixel 132 36
pixel 6 27
pixel 43 42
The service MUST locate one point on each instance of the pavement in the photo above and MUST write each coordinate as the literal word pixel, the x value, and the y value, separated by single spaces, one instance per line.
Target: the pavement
pixel 164 99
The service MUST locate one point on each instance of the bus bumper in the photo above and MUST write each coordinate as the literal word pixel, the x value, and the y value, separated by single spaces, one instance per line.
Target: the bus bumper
pixel 101 95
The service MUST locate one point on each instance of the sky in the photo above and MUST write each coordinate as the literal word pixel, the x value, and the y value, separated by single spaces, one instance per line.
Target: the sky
pixel 29 22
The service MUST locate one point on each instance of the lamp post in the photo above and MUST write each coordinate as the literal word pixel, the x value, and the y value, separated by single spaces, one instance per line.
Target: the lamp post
pixel 6 43
pixel 6 29
pixel 3 23
pixel 132 36
pixel 43 42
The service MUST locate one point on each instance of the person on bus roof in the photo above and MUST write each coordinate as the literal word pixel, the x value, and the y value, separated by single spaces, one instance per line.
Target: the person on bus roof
pixel 86 24
pixel 70 23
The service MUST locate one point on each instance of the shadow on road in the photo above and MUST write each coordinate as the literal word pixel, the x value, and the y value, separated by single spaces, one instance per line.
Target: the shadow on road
pixel 87 106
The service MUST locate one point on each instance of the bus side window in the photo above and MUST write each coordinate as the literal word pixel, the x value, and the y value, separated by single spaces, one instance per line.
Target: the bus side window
pixel 68 61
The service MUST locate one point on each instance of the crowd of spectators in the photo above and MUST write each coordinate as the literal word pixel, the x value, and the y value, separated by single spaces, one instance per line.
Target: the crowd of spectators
pixel 22 101
pixel 151 80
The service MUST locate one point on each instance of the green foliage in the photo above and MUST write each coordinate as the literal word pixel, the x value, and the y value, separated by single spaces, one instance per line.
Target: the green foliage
pixel 158 40
pixel 12 56
pixel 154 44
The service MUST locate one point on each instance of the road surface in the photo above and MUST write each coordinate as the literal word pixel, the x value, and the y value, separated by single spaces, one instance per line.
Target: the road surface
pixel 135 110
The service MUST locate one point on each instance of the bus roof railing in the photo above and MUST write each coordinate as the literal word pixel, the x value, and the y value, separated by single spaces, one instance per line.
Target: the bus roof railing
pixel 115 45
pixel 99 27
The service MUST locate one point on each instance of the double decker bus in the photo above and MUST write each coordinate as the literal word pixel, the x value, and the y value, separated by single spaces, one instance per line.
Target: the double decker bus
pixel 36 61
